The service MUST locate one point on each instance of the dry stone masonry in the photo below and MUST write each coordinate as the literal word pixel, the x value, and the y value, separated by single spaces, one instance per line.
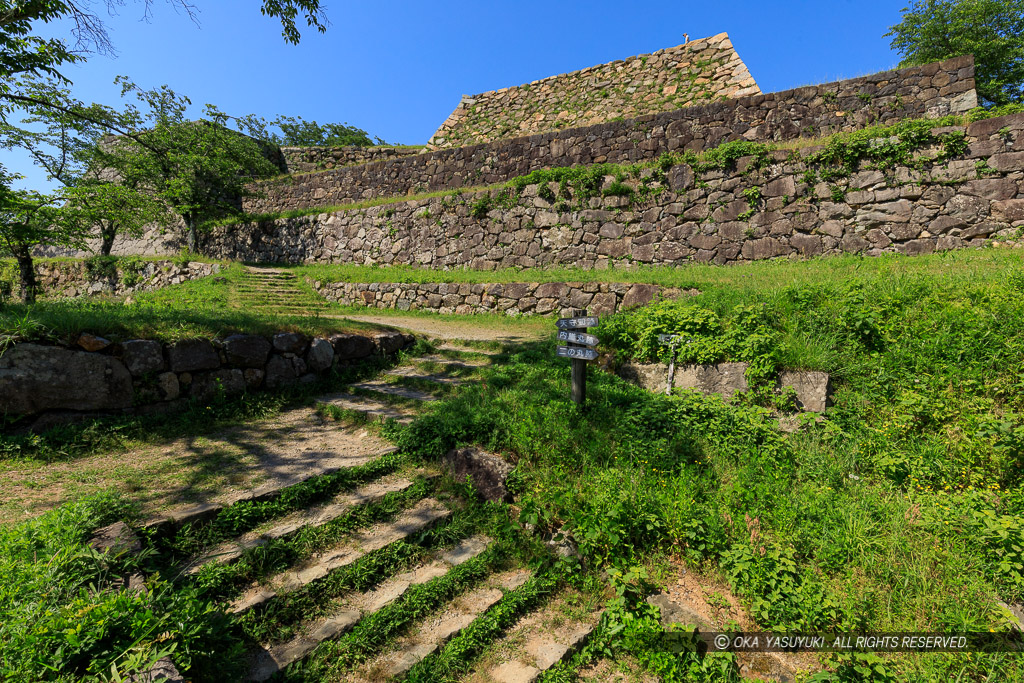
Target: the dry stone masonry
pixel 511 298
pixel 720 217
pixel 695 73
pixel 931 90
pixel 97 375
pixel 311 159
pixel 59 279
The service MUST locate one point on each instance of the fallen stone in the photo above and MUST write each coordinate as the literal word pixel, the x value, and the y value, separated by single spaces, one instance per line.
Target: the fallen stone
pixel 813 389
pixel 163 671
pixel 35 378
pixel 246 350
pixel 118 538
pixel 91 342
pixel 192 355
pixel 389 342
pixel 142 356
pixel 487 471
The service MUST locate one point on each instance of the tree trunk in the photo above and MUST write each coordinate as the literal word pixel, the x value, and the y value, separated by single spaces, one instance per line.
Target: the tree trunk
pixel 27 275
pixel 108 231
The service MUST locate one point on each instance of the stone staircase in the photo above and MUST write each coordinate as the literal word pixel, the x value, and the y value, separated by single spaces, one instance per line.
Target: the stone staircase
pixel 378 578
pixel 274 291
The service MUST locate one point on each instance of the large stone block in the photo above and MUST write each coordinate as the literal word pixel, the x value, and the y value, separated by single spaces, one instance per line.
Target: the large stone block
pixel 192 355
pixel 352 346
pixel 813 389
pixel 723 378
pixel 650 376
pixel 246 351
pixel 320 356
pixel 487 471
pixel 34 378
pixel 142 356
pixel 290 342
pixel 638 295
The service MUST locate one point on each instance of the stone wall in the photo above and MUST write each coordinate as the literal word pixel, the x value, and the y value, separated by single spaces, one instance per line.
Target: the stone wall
pixel 960 202
pixel 96 375
pixel 930 90
pixel 309 159
pixel 59 279
pixel 698 72
pixel 510 298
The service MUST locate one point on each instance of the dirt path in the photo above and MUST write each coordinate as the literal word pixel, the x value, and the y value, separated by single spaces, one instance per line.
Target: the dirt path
pixel 209 468
pixel 515 330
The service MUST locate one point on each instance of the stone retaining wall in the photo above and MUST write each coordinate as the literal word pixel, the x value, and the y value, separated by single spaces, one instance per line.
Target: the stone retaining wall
pixel 930 90
pixel 97 376
pixel 307 159
pixel 695 73
pixel 721 217
pixel 60 279
pixel 510 298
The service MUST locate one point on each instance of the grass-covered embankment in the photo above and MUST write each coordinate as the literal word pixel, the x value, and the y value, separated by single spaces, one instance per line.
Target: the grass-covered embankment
pixel 901 510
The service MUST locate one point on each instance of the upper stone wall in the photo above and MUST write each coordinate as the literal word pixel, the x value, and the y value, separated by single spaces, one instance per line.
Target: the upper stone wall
pixel 931 90
pixel 307 159
pixel 697 72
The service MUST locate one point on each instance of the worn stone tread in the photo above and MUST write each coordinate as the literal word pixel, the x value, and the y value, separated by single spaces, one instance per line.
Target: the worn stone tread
pixel 274 658
pixel 382 387
pixel 425 513
pixel 203 512
pixel 374 409
pixel 344 503
pixel 416 373
pixel 537 642
pixel 434 633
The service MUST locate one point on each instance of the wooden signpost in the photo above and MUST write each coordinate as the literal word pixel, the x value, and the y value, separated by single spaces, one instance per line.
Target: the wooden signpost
pixel 572 331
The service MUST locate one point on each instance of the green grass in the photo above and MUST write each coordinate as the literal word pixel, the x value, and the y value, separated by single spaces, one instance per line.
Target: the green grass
pixel 913 480
pixel 198 308
pixel 741 278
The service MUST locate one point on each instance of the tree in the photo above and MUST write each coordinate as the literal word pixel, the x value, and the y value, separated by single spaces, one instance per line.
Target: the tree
pixel 201 169
pixel 29 219
pixel 296 132
pixel 76 152
pixel 991 30
pixel 24 52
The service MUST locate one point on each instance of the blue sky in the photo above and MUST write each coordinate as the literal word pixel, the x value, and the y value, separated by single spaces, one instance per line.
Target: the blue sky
pixel 396 69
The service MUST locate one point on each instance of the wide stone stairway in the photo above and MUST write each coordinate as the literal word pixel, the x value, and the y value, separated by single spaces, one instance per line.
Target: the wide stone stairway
pixel 274 291
pixel 375 571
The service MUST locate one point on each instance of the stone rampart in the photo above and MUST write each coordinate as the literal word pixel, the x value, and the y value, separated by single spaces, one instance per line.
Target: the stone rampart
pixel 697 72
pixel 309 159
pixel 721 216
pixel 925 91
pixel 95 375
pixel 510 298
pixel 60 279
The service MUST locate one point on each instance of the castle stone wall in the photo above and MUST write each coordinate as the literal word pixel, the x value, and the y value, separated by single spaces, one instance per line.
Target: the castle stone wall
pixel 716 217
pixel 698 72
pixel 931 90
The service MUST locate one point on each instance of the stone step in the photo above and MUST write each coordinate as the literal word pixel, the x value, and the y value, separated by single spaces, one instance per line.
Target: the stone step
pixel 468 349
pixel 417 518
pixel 468 364
pixel 416 373
pixel 314 517
pixel 533 646
pixel 382 387
pixel 274 658
pixel 204 512
pixel 435 632
pixel 372 408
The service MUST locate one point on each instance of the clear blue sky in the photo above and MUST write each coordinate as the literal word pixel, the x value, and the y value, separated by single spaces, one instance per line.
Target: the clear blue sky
pixel 396 69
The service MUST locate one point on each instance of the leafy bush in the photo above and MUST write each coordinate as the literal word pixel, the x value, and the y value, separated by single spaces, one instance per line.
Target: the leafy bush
pixel 58 618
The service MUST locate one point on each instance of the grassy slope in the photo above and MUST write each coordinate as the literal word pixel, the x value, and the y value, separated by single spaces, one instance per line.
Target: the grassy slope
pixel 902 510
